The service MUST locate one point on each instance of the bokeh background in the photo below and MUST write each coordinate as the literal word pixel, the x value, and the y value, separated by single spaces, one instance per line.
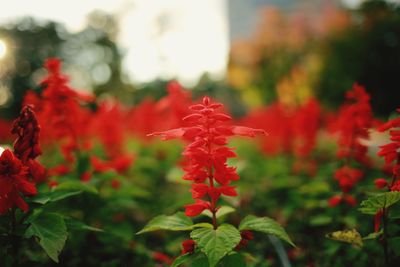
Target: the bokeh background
pixel 247 53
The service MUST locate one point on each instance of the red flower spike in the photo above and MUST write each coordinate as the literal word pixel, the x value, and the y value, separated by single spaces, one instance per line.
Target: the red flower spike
pixel 353 124
pixel 206 154
pixel 26 146
pixel 391 153
pixel 27 128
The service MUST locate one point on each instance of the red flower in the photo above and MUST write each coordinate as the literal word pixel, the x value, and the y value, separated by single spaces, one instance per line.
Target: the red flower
pixel 350 200
pixel 36 170
pixel 162 258
pixel 246 236
pixel 27 129
pixel 121 163
pixel 195 209
pixel 206 154
pixel 86 176
pixel 13 183
pixel 26 146
pixel 354 121
pixel 59 110
pixel 59 170
pixel 395 186
pixel 347 177
pixel 52 184
pixel 380 183
pixel 334 201
pixel 391 152
pixel 188 246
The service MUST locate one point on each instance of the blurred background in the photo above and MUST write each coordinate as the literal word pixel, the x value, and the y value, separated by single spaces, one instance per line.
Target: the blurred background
pixel 247 53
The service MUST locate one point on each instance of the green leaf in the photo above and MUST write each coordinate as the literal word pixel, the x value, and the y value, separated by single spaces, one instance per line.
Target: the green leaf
pixel 320 220
pixel 373 235
pixel 73 224
pixel 233 260
pixel 181 259
pixel 176 222
pixel 376 202
pixel 224 210
pixel 202 225
pixel 216 243
pixel 51 231
pixel 265 225
pixel 348 236
pixel 44 198
pixel 75 186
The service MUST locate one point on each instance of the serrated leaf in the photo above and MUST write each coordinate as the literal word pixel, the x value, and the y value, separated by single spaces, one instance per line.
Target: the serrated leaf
pixel 51 231
pixel 265 225
pixel 216 243
pixel 348 236
pixel 181 259
pixel 224 210
pixel 176 222
pixel 75 186
pixel 376 202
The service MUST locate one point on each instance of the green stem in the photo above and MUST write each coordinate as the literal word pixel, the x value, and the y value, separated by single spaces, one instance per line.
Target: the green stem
pixel 385 237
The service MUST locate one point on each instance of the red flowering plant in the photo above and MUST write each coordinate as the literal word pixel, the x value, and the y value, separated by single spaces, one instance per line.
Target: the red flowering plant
pixel 380 205
pixel 292 132
pixel 64 119
pixel 353 124
pixel 205 166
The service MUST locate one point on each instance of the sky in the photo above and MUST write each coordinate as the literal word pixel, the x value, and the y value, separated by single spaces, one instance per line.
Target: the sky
pixel 163 38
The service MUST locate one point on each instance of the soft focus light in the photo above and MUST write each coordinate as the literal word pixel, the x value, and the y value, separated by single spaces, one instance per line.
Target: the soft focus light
pixel 3 49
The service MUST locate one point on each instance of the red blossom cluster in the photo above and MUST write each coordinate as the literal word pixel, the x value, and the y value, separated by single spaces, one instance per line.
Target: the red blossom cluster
pixel 67 121
pixel 162 258
pixel 19 170
pixel 206 155
pixel 59 110
pixel 246 236
pixel 391 153
pixel 291 130
pixel 352 125
pixel 188 246
pixel 164 114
